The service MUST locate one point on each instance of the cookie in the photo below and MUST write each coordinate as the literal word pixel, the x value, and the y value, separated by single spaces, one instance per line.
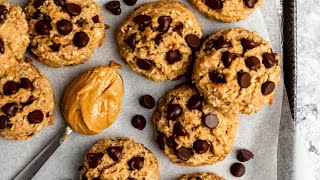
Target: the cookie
pixel 190 131
pixel 227 10
pixel 119 158
pixel 64 32
pixel 93 100
pixel 26 102
pixel 158 38
pixel 14 37
pixel 201 176
pixel 236 69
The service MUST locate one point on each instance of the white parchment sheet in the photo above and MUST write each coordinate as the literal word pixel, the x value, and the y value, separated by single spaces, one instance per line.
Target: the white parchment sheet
pixel 258 132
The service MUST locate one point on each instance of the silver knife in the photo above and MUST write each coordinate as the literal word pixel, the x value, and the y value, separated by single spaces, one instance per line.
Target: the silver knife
pixel 33 167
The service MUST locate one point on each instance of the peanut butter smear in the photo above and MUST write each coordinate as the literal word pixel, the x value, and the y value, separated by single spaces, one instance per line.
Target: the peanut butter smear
pixel 93 100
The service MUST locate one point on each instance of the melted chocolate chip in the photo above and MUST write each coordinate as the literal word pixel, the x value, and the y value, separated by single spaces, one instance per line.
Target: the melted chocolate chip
pixel 252 63
pixel 179 130
pixel 217 44
pixel 25 83
pixel 2 46
pixel 227 58
pixel 81 22
pixel 248 44
pixel 214 4
pixel 10 109
pixel 210 120
pixel 173 56
pixel 95 19
pixel 3 121
pixel 268 87
pixel 131 41
pixel 201 146
pixel 160 140
pixel 158 39
pixel 61 3
pixel 147 101
pixel 139 122
pixel 184 153
pixel 244 79
pixel 136 163
pixel 164 23
pixel 94 159
pixel 178 28
pixel 115 152
pixel 37 3
pixel 64 27
pixel 114 7
pixel 3 13
pixel 193 41
pixel 144 64
pixel 143 21
pixel 171 143
pixel 217 77
pixel 195 102
pixel 55 47
pixel 29 101
pixel 268 60
pixel 10 88
pixel 81 39
pixel 174 111
pixel 35 117
pixel 43 27
pixel 73 9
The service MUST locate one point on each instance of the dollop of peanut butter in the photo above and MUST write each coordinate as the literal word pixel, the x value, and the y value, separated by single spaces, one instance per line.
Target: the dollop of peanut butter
pixel 93 100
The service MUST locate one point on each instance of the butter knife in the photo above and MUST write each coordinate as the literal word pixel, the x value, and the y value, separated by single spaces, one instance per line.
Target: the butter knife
pixel 33 167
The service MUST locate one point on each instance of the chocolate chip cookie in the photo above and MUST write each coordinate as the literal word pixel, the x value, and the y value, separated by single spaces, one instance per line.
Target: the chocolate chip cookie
pixel 14 37
pixel 64 32
pixel 119 158
pixel 26 102
pixel 227 10
pixel 190 131
pixel 237 70
pixel 158 38
pixel 201 176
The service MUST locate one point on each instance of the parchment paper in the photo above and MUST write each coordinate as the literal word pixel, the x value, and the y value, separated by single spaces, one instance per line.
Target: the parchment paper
pixel 258 132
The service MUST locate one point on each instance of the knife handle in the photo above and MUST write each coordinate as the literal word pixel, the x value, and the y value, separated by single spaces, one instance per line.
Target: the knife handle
pixel 33 167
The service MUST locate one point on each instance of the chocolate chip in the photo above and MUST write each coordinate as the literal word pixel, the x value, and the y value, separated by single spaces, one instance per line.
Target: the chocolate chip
pixel 217 77
pixel 131 178
pixel 2 49
pixel 61 3
pixel 94 159
pixel 95 19
pixel 210 120
pixel 37 3
pixel 268 87
pixel 185 153
pixel 195 102
pixel 81 22
pixel 147 101
pixel 143 21
pixel 35 117
pixel 178 28
pixel 158 39
pixel 250 3
pixel 198 178
pixel 136 163
pixel 43 27
pixel 73 9
pixel 193 41
pixel 227 58
pixel 46 17
pixel 144 64
pixel 252 63
pixel 214 4
pixel 173 56
pixel 81 39
pixel 3 13
pixel 55 47
pixel 36 15
pixel 131 41
pixel 130 2
pixel 25 83
pixel 201 146
pixel 139 122
pixel 114 7
pixel 160 140
pixel 248 44
pixel 29 101
pixel 244 155
pixel 174 111
pixel 237 169
pixel 268 60
pixel 10 88
pixel 179 130
pixel 10 109
pixel 244 79
pixel 164 23
pixel 115 152
pixel 171 143
pixel 217 44
pixel 64 27
pixel 3 121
